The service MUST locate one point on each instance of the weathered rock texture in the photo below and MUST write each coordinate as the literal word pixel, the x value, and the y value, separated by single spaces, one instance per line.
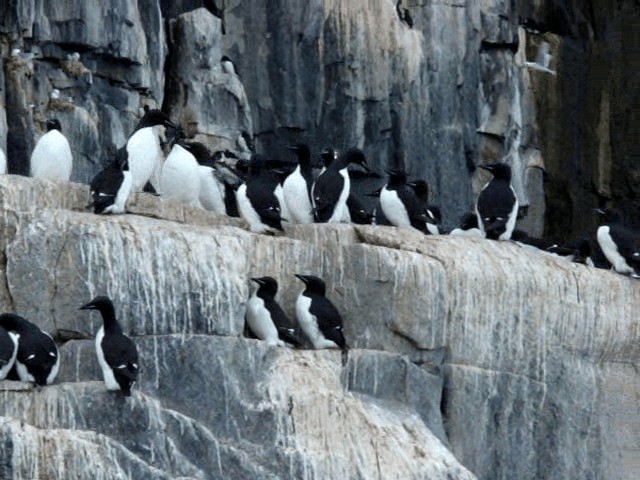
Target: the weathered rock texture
pixel 469 358
pixel 453 91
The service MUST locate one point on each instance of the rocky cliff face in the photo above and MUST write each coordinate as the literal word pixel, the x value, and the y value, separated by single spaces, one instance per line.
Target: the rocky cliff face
pixel 454 87
pixel 469 359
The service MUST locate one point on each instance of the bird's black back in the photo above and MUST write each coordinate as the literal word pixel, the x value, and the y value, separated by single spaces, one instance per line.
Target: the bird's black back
pixel 38 352
pixel 326 193
pixel 329 319
pixel 286 328
pixel 627 240
pixel 105 186
pixel 121 355
pixel 357 211
pixel 260 192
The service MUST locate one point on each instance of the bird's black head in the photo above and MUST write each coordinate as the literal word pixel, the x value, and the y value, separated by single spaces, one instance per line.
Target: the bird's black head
pixel 100 303
pixel 328 155
pixel 420 187
pixel 53 124
pixel 11 321
pixel 302 151
pixel 468 221
pixel 314 284
pixel 225 59
pixel 499 170
pixel 397 177
pixel 609 215
pixel 153 117
pixel 267 285
pixel 355 156
pixel 198 150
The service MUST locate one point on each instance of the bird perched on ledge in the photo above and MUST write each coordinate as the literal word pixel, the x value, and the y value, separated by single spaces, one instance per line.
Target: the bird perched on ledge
pixel 620 244
pixel 319 319
pixel 497 205
pixel 266 319
pixel 117 354
pixel 51 158
pixel 37 360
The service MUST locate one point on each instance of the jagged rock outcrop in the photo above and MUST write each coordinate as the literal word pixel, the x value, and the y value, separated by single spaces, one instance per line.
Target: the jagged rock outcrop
pixel 464 352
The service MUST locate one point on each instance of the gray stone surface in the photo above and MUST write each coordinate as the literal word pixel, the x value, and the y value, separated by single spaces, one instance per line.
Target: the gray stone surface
pixel 517 363
pixel 209 103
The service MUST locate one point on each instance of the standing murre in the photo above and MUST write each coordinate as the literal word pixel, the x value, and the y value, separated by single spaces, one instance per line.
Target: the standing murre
pixel 144 150
pixel 318 318
pixel 180 177
pixel 37 360
pixel 8 351
pixel 619 243
pixel 497 204
pixel 296 188
pixel 400 204
pixel 331 190
pixel 111 187
pixel 51 158
pixel 117 354
pixel 256 199
pixel 433 217
pixel 265 318
pixel 212 197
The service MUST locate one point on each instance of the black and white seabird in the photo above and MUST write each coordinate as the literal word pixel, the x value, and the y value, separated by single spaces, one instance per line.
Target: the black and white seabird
pixel 433 217
pixel 297 187
pixel 266 319
pixel 8 351
pixel 317 316
pixel 180 177
pixel 619 243
pixel 257 202
pixel 331 190
pixel 117 354
pixel 497 205
pixel 111 187
pixel 51 158
pixel 400 205
pixel 211 187
pixel 37 360
pixel 144 150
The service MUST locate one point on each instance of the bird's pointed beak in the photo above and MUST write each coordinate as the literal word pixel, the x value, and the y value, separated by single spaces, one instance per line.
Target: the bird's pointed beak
pixel 88 306
pixel 256 280
pixel 301 277
pixel 599 210
pixel 488 168
pixel 292 147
